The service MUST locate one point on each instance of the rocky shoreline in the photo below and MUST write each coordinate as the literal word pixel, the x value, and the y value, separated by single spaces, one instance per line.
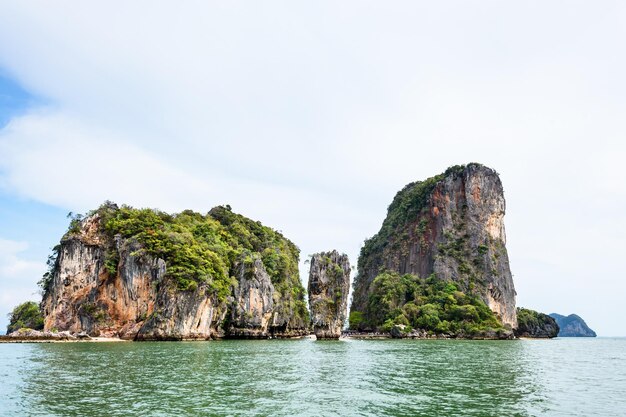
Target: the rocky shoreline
pixel 34 336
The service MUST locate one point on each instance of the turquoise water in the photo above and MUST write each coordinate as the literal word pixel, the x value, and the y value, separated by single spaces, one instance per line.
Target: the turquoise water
pixel 561 377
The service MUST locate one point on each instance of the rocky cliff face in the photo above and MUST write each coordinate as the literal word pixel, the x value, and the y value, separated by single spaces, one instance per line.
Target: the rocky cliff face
pixel 146 275
pixel 329 284
pixel 256 310
pixel 452 226
pixel 572 326
pixel 82 297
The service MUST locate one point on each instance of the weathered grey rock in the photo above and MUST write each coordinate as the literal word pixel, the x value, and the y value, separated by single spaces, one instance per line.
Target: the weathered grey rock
pixel 26 334
pixel 493 335
pixel 329 284
pixel 398 331
pixel 253 305
pixel 417 334
pixel 451 225
pixel 183 315
pixel 255 310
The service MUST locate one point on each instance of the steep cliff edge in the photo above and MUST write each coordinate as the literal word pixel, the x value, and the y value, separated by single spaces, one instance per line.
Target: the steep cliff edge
pixel 572 326
pixel 450 227
pixel 329 284
pixel 145 274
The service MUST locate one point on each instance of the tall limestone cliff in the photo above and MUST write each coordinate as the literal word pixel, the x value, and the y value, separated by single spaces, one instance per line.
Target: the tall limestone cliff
pixel 329 284
pixel 148 275
pixel 450 226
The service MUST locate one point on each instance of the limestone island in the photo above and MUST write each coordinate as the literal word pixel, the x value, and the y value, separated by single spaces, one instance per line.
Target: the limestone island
pixel 572 326
pixel 438 268
pixel 329 285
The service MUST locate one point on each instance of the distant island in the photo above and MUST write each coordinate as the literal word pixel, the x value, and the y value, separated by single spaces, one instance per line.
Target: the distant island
pixel 572 326
pixel 438 268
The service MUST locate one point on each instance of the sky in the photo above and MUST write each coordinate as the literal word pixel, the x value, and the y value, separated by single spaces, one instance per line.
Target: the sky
pixel 310 116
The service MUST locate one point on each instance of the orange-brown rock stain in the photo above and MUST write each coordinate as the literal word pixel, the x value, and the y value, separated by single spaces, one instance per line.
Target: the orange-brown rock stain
pixel 476 193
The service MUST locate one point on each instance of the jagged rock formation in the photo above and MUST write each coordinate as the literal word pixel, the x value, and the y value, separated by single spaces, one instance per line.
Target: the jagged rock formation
pixel 147 275
pixel 329 284
pixel 256 311
pixel 452 226
pixel 535 325
pixel 572 326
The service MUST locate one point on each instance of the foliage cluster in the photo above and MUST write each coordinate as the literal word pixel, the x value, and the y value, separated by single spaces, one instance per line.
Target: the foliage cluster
pixel 429 304
pixel 202 248
pixel 528 318
pixel 531 321
pixel 25 315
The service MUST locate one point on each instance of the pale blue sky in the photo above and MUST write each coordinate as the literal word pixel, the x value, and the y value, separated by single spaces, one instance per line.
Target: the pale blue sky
pixel 310 117
pixel 14 100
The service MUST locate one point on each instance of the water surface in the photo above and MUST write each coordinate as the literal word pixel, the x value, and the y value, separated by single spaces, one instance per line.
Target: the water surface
pixel 560 377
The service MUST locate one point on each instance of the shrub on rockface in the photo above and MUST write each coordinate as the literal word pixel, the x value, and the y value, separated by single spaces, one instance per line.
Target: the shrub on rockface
pixel 355 320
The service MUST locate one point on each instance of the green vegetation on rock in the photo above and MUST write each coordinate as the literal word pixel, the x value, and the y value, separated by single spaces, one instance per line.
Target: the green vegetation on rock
pixel 356 320
pixel 200 248
pixel 429 304
pixel 25 315
pixel 531 323
pixel 46 279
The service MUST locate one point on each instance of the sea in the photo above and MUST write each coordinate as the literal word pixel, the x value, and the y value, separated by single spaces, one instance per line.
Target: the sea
pixel 306 377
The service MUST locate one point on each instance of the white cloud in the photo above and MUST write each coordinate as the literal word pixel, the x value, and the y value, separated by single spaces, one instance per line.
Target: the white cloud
pixel 59 160
pixel 310 117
